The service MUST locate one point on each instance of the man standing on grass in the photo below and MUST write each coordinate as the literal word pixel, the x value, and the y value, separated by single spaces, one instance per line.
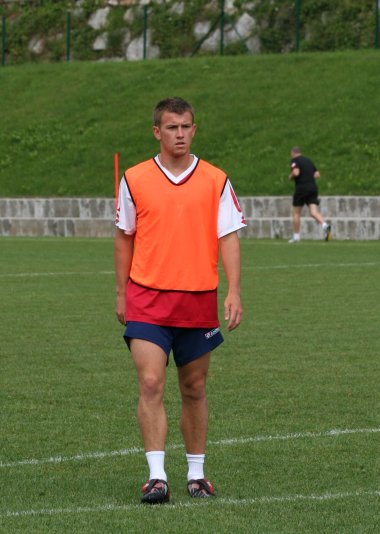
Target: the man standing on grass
pixel 175 213
pixel 304 173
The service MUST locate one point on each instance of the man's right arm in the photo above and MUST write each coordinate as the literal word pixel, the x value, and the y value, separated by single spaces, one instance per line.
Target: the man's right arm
pixel 294 171
pixel 123 253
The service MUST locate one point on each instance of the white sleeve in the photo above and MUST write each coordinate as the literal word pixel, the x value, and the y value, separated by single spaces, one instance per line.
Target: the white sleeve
pixel 230 216
pixel 126 210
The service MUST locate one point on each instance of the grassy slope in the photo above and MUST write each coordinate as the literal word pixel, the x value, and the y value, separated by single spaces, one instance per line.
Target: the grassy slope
pixel 62 123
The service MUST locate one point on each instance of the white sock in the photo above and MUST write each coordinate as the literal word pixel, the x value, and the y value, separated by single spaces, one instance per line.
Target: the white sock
pixel 195 463
pixel 296 237
pixel 156 460
pixel 324 226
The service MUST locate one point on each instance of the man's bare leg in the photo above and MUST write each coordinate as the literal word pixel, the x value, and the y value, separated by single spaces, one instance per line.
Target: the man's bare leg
pixel 194 418
pixel 194 423
pixel 314 212
pixel 150 362
pixel 297 219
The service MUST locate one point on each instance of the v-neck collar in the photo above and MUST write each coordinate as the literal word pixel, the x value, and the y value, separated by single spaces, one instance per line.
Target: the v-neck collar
pixel 181 178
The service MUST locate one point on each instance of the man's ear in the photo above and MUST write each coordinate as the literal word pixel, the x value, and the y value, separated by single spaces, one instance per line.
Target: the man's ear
pixel 157 133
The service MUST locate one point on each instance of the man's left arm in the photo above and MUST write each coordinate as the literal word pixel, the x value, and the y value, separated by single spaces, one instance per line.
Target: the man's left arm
pixel 229 246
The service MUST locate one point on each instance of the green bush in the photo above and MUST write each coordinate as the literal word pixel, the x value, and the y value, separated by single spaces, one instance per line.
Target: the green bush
pixel 324 25
pixel 46 21
pixel 338 26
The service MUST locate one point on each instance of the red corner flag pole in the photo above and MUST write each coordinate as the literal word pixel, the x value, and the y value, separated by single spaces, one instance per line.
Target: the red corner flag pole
pixel 116 165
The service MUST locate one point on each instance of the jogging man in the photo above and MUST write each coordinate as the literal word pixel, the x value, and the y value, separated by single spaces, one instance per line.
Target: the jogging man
pixel 304 173
pixel 175 212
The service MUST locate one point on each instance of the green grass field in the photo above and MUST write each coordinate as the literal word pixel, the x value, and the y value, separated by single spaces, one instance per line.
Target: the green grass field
pixel 293 442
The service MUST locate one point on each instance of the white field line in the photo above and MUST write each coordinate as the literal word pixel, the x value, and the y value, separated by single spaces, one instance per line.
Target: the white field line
pixel 312 265
pixel 58 273
pixel 249 242
pixel 222 442
pixel 246 268
pixel 181 505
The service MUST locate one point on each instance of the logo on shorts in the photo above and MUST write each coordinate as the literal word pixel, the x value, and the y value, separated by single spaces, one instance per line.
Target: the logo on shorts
pixel 212 333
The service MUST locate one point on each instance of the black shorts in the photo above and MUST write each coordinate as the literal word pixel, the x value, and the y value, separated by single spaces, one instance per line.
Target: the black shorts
pixel 302 197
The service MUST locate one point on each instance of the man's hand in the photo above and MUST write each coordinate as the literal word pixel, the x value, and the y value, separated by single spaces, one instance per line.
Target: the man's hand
pixel 120 308
pixel 233 311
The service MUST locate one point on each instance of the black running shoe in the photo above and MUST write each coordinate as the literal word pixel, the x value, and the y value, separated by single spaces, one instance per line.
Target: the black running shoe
pixel 201 488
pixel 327 233
pixel 155 491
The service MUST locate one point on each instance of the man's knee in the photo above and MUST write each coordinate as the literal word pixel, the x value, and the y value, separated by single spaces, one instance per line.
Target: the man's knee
pixel 195 389
pixel 313 209
pixel 151 386
pixel 296 212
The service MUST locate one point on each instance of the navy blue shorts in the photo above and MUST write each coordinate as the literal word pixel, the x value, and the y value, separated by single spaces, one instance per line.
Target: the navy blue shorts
pixel 187 344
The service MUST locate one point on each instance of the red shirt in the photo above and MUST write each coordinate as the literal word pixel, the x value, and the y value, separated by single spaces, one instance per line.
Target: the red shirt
pixel 171 308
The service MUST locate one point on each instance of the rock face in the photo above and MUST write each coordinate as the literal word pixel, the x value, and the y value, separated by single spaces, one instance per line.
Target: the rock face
pixel 143 46
pixel 117 29
pixel 137 34
pixel 99 19
pixel 135 48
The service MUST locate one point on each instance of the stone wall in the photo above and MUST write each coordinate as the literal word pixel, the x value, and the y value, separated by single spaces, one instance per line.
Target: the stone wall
pixel 351 217
pixel 355 218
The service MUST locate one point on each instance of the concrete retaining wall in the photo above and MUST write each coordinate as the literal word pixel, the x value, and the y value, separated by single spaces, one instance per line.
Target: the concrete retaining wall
pixel 351 217
pixel 267 217
pixel 66 217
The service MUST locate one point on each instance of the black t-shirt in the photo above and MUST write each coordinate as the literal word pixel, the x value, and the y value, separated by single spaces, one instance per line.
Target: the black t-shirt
pixel 305 180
